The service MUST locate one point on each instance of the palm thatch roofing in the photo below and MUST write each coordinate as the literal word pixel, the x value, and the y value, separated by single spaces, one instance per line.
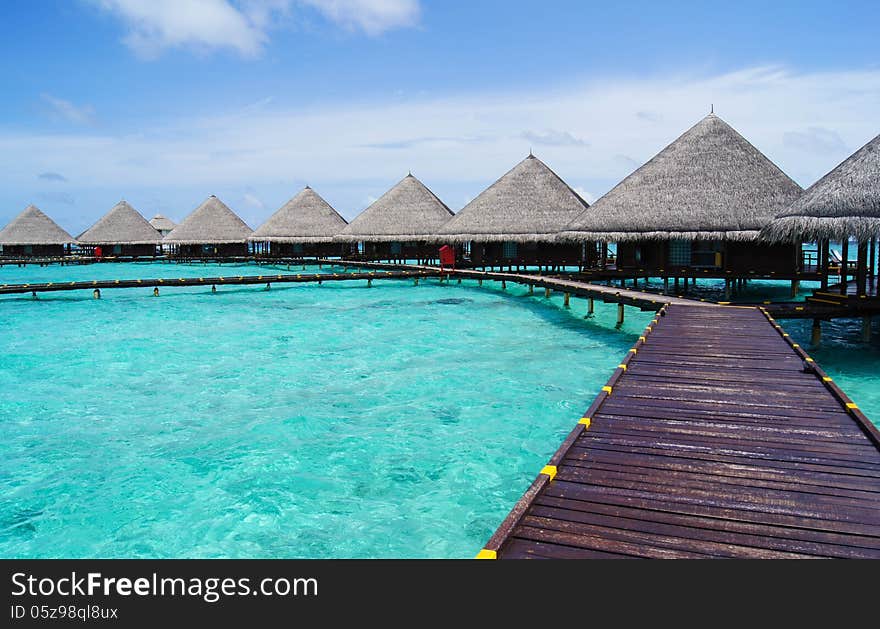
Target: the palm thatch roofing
pixel 529 203
pixel 306 218
pixel 844 203
pixel 212 223
pixel 122 225
pixel 162 223
pixel 710 183
pixel 32 227
pixel 407 212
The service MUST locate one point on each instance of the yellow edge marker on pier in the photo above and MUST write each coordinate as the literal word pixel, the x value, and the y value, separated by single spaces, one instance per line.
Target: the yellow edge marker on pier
pixel 486 554
pixel 826 379
pixel 852 406
pixel 633 350
pixel 549 470
pixel 621 366
pixel 607 389
pixel 585 421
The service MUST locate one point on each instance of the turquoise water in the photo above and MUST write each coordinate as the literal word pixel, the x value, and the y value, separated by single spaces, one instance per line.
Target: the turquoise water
pixel 304 421
pixel 854 365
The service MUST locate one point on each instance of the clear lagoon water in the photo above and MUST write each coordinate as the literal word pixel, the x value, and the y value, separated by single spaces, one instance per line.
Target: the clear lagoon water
pixel 303 421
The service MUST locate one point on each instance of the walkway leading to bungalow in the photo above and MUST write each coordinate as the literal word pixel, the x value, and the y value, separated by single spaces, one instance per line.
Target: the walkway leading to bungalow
pixel 716 437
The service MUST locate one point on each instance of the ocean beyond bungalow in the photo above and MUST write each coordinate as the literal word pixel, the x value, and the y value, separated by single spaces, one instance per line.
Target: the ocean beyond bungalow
pixel 400 225
pixel 33 234
pixel 515 221
pixel 696 209
pixel 122 232
pixel 304 226
pixel 211 230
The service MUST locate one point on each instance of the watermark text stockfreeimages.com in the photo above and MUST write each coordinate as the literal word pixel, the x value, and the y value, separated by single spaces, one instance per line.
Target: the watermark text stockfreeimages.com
pixel 209 589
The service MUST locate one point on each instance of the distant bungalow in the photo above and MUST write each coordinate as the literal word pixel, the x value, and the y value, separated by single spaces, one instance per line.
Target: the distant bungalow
pixel 162 224
pixel 516 220
pixel 843 204
pixel 32 233
pixel 212 229
pixel 696 209
pixel 304 226
pixel 401 225
pixel 122 232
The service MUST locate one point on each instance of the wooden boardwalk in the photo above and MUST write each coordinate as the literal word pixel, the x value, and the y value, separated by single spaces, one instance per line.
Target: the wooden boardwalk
pixel 716 437
pixel 227 280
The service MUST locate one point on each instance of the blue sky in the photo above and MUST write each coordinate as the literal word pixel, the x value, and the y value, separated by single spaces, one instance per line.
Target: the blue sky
pixel 164 102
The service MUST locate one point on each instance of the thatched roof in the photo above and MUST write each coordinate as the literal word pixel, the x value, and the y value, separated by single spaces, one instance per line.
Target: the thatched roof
pixel 32 227
pixel 212 223
pixel 407 212
pixel 529 203
pixel 710 183
pixel 162 223
pixel 122 225
pixel 305 218
pixel 844 203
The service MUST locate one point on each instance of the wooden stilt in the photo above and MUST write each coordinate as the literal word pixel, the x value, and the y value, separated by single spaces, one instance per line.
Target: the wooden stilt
pixel 566 300
pixel 844 265
pixel 862 268
pixel 590 306
pixel 795 286
pixel 619 314
pixel 816 335
pixel 546 293
pixel 866 329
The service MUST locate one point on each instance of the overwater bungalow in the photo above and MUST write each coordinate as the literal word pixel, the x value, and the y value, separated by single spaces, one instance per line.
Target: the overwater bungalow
pixel 401 225
pixel 516 220
pixel 33 234
pixel 122 232
pixel 696 209
pixel 162 224
pixel 211 230
pixel 843 205
pixel 304 226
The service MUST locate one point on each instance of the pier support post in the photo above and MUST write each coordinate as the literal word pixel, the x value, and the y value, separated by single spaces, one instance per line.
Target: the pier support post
pixel 503 285
pixel 370 282
pixel 213 288
pixel 862 269
pixel 590 307
pixel 459 280
pixel 844 265
pixel 666 285
pixel 566 300
pixel 480 282
pixel 546 293
pixel 531 289
pixel 96 293
pixel 866 329
pixel 795 286
pixel 268 285
pixel 34 294
pixel 816 335
pixel 619 315
pixel 726 290
pixel 675 285
pixel 155 291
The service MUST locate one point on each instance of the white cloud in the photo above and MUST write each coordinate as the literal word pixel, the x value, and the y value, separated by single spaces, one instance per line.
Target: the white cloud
pixel 340 147
pixel 552 137
pixel 586 196
pixel 242 26
pixel 374 17
pixel 252 201
pixel 66 111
